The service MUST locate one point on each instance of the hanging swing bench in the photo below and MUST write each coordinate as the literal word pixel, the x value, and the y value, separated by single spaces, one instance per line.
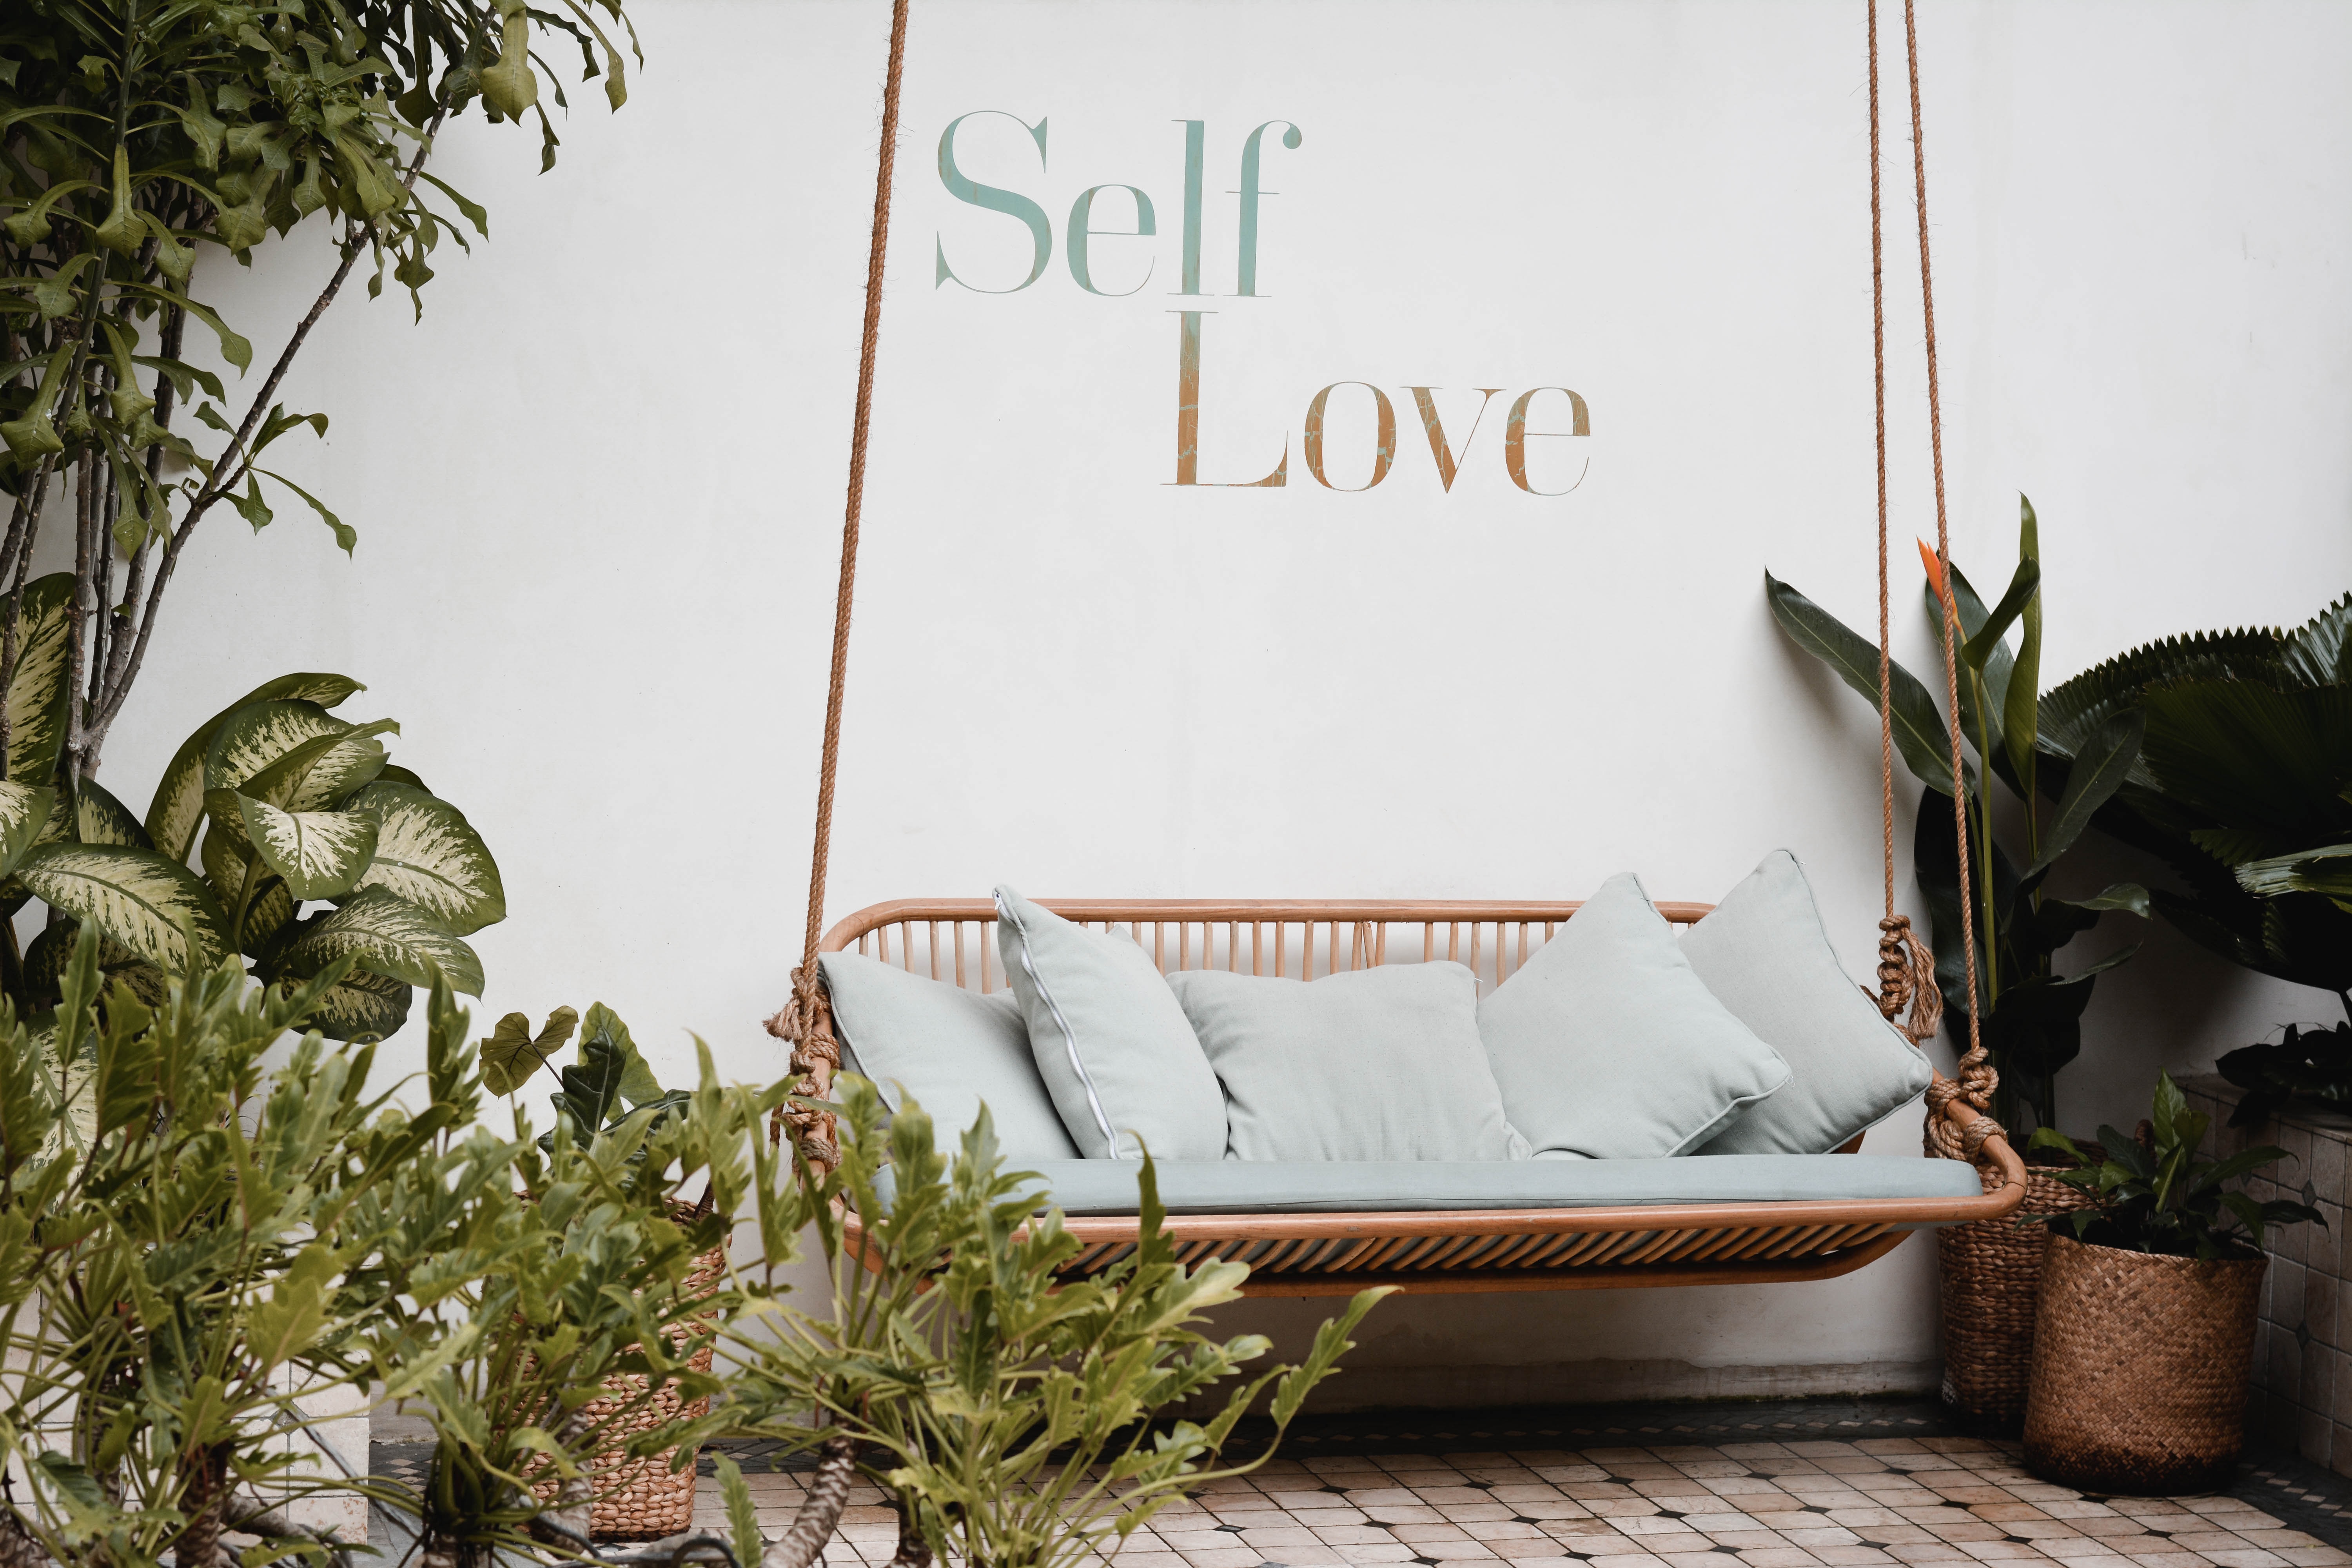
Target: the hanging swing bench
pixel 1558 1224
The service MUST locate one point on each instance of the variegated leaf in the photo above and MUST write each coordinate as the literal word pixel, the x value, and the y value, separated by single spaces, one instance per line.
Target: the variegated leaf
pixel 178 805
pixel 267 918
pixel 430 855
pixel 99 818
pixel 257 735
pixel 44 961
pixel 57 829
pixel 24 813
pixel 386 933
pixel 321 771
pixel 319 853
pixel 150 905
pixel 36 690
pixel 361 1003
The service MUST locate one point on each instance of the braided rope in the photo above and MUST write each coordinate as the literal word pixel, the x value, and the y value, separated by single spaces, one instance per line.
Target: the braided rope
pixel 1907 973
pixel 807 1020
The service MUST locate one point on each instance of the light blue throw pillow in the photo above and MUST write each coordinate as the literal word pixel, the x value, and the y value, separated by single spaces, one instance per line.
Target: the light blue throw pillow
pixel 1607 1047
pixel 1374 1064
pixel 1109 1040
pixel 952 1049
pixel 1764 954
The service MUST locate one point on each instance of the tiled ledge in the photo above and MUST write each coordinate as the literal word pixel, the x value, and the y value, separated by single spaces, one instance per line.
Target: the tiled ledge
pixel 2301 1394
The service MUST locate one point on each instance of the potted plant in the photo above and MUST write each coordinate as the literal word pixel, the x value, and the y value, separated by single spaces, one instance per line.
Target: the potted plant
pixel 2030 1014
pixel 2146 1326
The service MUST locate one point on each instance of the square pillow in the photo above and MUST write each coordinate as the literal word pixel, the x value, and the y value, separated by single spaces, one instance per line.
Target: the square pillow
pixel 1764 954
pixel 1108 1038
pixel 1607 1047
pixel 952 1049
pixel 1373 1064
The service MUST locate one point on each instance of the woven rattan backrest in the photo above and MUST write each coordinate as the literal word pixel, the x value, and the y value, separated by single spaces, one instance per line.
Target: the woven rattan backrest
pixel 954 940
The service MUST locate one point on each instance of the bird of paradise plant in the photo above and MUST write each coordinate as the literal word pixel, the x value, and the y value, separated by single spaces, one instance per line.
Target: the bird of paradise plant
pixel 2031 1014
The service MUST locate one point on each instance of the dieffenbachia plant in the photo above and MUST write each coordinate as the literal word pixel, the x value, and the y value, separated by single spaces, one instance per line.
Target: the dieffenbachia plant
pixel 285 807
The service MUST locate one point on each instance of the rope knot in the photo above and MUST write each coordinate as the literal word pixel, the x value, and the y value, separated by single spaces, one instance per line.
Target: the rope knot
pixel 1907 980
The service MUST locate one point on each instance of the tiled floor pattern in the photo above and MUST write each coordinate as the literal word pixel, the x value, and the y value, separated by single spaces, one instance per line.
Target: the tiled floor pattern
pixel 1821 1503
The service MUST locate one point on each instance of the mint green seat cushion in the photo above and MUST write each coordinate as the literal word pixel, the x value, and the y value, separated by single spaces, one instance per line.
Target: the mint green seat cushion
pixel 952 1049
pixel 1608 1046
pixel 1233 1186
pixel 1372 1064
pixel 1108 1038
pixel 1765 956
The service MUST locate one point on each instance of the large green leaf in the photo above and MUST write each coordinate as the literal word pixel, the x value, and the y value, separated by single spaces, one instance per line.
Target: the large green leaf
pixel 2098 770
pixel 178 805
pixel 2319 652
pixel 2017 720
pixel 319 854
pixel 258 734
pixel 361 1003
pixel 24 811
pixel 150 905
pixel 430 855
pixel 36 690
pixel 321 771
pixel 44 962
pixel 2072 710
pixel 384 933
pixel 2250 755
pixel 1919 731
pixel 99 818
pixel 2326 870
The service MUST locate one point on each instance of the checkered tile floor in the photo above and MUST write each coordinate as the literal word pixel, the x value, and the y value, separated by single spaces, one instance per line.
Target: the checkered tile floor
pixel 1794 1504
pixel 1774 1484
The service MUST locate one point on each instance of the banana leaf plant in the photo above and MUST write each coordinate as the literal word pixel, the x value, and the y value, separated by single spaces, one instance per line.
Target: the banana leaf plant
pixel 608 1082
pixel 286 807
pixel 2031 1014
pixel 2244 786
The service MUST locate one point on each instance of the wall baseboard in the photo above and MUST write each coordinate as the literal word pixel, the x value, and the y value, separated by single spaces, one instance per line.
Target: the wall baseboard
pixel 1611 1383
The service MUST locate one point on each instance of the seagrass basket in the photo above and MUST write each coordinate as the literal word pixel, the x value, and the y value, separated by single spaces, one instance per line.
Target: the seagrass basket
pixel 644 1500
pixel 2140 1369
pixel 1991 1272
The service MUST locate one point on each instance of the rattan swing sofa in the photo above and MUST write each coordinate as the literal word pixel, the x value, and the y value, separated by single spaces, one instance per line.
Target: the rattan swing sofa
pixel 1326 1251
pixel 1323 1253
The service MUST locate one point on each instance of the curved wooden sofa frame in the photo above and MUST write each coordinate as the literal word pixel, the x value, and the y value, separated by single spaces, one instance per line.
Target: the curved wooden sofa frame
pixel 1325 1254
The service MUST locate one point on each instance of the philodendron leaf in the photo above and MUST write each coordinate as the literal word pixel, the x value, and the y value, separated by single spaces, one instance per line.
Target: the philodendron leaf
pixel 36 709
pixel 178 805
pixel 99 818
pixel 321 771
pixel 319 854
pixel 24 811
pixel 360 1004
pixel 430 855
pixel 605 1031
pixel 513 1053
pixel 384 933
pixel 150 905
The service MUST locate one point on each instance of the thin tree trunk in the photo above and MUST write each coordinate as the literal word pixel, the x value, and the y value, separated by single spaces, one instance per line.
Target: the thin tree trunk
pixel 828 1493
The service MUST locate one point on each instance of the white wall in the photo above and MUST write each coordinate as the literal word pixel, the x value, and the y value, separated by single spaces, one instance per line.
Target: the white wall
pixel 598 492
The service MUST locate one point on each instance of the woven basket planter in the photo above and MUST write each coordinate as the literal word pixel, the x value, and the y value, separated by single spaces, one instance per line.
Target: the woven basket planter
pixel 643 1500
pixel 2140 1369
pixel 1993 1289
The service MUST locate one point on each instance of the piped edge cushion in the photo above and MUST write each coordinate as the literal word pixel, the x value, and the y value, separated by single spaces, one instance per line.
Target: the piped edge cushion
pixel 952 1049
pixel 1767 957
pixel 1234 1186
pixel 1608 1046
pixel 1115 1049
pixel 1368 1064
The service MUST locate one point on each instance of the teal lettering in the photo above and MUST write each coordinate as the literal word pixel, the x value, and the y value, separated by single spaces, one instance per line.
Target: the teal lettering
pixel 1245 276
pixel 1011 203
pixel 1080 234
